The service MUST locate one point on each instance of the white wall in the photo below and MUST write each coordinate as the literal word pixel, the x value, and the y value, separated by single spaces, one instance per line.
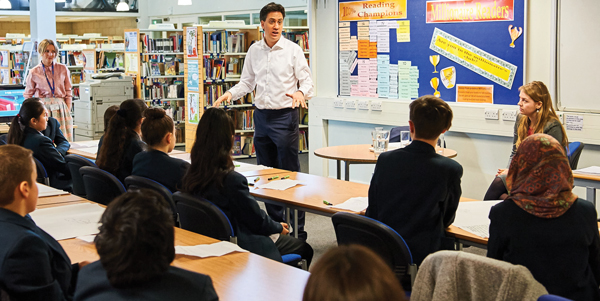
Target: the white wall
pixel 483 146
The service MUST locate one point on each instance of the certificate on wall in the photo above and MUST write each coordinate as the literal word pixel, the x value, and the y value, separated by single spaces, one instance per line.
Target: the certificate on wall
pixel 193 76
pixel 191 47
pixel 193 106
pixel 131 41
pixel 131 62
pixel 3 58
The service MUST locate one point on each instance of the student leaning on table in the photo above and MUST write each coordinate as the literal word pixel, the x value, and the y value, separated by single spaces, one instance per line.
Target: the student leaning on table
pixel 537 115
pixel 211 176
pixel 136 245
pixel 544 226
pixel 51 81
pixel 33 266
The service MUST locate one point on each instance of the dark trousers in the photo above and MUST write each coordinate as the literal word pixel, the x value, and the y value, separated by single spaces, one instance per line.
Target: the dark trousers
pixel 276 144
pixel 290 245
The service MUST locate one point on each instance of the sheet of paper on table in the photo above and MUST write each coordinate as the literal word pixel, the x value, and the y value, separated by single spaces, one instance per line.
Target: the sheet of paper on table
pixel 592 170
pixel 91 150
pixel 243 167
pixel 473 217
pixel 87 238
pixel 356 204
pixel 85 144
pixel 280 184
pixel 45 191
pixel 69 221
pixel 209 250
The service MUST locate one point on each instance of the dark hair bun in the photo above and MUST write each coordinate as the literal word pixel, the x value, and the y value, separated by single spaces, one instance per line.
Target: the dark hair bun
pixel 154 113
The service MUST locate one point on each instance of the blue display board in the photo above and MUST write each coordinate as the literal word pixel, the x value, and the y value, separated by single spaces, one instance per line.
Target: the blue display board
pixel 490 39
pixel 10 102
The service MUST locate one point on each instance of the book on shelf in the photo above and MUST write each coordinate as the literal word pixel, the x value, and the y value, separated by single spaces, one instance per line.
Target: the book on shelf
pixel 247 143
pixel 162 88
pixel 214 68
pixel 237 145
pixel 75 92
pixel 223 41
pixel 303 114
pixel 302 141
pixel 16 76
pixel 173 43
pixel 170 65
pixel 76 77
pixel 155 69
pixel 234 67
pixel 243 119
pixel 300 38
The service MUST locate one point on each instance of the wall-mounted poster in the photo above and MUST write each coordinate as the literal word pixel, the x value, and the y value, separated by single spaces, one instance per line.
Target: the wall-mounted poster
pixel 193 76
pixel 131 62
pixel 4 76
pixel 4 58
pixel 191 47
pixel 193 106
pixel 131 41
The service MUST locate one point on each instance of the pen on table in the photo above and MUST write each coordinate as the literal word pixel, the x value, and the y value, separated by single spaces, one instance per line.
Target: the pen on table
pixel 327 203
pixel 273 178
pixel 286 177
pixel 256 179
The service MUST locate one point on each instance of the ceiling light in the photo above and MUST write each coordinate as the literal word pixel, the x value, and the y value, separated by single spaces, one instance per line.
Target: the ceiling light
pixel 5 4
pixel 184 2
pixel 123 6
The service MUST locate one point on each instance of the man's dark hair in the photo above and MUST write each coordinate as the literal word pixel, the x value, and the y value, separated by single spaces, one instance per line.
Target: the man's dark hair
pixel 136 239
pixel 431 116
pixel 269 8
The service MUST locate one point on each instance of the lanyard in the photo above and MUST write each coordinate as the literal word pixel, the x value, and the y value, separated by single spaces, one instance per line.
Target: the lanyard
pixel 52 87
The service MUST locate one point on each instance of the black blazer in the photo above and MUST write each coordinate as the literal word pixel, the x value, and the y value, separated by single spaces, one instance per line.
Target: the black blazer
pixel 251 224
pixel 416 192
pixel 53 132
pixel 33 266
pixel 45 151
pixel 175 284
pixel 562 253
pixel 160 167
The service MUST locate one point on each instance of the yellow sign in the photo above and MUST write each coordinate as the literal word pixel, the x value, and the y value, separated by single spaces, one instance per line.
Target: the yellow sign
pixel 372 10
pixel 471 57
pixel 475 93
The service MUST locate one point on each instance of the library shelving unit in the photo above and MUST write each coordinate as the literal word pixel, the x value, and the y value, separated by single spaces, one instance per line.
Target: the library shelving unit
pixel 157 67
pixel 12 47
pixel 74 56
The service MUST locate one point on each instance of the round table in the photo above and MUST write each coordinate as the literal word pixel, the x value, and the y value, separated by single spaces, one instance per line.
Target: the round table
pixel 359 154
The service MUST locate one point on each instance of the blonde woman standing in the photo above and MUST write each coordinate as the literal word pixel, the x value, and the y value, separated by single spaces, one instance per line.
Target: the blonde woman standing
pixel 51 82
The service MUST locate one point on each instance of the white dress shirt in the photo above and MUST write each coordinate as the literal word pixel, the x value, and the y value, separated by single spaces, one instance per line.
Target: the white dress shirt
pixel 274 72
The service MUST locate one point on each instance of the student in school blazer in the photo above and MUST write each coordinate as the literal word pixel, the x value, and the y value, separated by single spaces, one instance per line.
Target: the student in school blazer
pixel 53 132
pixel 160 167
pixel 28 249
pixel 416 192
pixel 54 162
pixel 175 284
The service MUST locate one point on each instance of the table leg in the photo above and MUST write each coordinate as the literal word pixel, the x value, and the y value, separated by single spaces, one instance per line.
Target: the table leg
pixel 591 195
pixel 287 215
pixel 296 223
pixel 339 170
pixel 347 171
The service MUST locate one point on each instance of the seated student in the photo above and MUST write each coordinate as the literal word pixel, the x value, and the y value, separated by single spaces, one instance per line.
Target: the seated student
pixel 158 131
pixel 122 139
pixel 136 245
pixel 108 114
pixel 25 130
pixel 53 132
pixel 414 190
pixel 536 115
pixel 34 266
pixel 211 176
pixel 352 273
pixel 544 226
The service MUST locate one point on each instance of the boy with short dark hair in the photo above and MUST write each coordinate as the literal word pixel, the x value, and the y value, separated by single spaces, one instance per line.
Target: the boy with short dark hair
pixel 414 190
pixel 33 266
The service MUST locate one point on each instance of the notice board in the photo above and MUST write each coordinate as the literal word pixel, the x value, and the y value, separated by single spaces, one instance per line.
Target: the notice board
pixel 462 51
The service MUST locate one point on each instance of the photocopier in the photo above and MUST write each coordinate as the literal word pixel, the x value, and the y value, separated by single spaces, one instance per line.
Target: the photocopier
pixel 96 95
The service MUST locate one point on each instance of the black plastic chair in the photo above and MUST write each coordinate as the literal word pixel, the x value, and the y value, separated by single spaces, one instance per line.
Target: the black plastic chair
pixel 136 182
pixel 74 163
pixel 3 139
pixel 574 152
pixel 100 185
pixel 42 175
pixel 352 228
pixel 203 217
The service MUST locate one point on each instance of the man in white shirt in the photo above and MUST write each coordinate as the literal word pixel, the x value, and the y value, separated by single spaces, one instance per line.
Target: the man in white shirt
pixel 277 68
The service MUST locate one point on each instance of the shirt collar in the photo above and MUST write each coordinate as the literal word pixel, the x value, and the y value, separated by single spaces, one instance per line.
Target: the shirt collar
pixel 278 45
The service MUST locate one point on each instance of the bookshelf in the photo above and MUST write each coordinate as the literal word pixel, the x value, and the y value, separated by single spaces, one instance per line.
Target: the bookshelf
pixel 13 62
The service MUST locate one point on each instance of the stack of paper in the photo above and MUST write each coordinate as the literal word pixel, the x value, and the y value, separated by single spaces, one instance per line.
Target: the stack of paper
pixel 356 204
pixel 85 144
pixel 280 184
pixel 46 191
pixel 69 221
pixel 209 250
pixel 592 170
pixel 243 167
pixel 473 217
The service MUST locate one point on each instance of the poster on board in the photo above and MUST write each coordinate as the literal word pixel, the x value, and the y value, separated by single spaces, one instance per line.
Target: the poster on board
pixel 131 41
pixel 193 76
pixel 193 106
pixel 191 47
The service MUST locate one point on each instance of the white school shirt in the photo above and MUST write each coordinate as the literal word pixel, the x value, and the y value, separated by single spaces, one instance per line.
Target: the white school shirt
pixel 274 72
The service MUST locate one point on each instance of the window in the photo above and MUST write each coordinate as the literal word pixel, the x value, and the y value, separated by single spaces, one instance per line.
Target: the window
pixel 295 18
pixel 205 20
pixel 244 17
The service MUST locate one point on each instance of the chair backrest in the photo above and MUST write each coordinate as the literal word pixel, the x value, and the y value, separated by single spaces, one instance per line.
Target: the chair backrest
pixel 42 175
pixel 136 182
pixel 574 152
pixel 3 139
pixel 550 297
pixel 203 217
pixel 74 163
pixel 100 186
pixel 352 228
pixel 395 133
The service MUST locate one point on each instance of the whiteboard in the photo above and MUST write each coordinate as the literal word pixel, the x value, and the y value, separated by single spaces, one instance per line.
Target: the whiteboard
pixel 578 66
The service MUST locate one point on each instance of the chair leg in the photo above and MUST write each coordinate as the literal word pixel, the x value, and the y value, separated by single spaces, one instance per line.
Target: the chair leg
pixel 412 271
pixel 304 264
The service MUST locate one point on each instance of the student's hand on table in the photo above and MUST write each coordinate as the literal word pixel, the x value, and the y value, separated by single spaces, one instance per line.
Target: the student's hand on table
pixel 83 263
pixel 502 171
pixel 285 229
pixel 226 97
pixel 297 99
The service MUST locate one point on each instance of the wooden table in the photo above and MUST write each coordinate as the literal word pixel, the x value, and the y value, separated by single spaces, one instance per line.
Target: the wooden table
pixel 45 202
pixel 235 276
pixel 4 128
pixel 92 156
pixel 358 154
pixel 590 182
